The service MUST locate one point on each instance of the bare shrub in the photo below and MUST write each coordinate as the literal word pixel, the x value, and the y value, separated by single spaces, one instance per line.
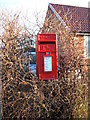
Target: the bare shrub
pixel 26 97
pixel 73 68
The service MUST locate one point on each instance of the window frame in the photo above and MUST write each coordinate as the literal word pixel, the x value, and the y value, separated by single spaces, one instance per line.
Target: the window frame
pixel 86 52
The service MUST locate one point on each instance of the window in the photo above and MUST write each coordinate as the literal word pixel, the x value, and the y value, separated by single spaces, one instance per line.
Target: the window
pixel 87 46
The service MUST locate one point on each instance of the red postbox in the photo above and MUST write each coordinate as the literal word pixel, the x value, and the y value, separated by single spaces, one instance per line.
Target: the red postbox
pixel 46 56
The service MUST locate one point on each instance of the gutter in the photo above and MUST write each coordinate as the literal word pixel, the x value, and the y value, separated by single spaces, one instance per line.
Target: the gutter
pixel 86 34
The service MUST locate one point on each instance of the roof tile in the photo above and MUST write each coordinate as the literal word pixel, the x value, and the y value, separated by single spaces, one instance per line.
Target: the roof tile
pixel 75 17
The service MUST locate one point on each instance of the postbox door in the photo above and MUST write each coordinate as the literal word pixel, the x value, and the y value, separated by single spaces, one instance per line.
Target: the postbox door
pixel 47 65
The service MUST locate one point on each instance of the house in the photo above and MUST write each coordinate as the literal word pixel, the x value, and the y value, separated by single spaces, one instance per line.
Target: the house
pixel 69 22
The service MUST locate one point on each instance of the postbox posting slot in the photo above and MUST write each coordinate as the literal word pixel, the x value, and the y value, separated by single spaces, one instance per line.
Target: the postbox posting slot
pixel 47 42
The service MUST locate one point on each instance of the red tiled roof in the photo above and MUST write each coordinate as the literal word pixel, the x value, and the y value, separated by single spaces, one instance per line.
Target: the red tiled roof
pixel 76 17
